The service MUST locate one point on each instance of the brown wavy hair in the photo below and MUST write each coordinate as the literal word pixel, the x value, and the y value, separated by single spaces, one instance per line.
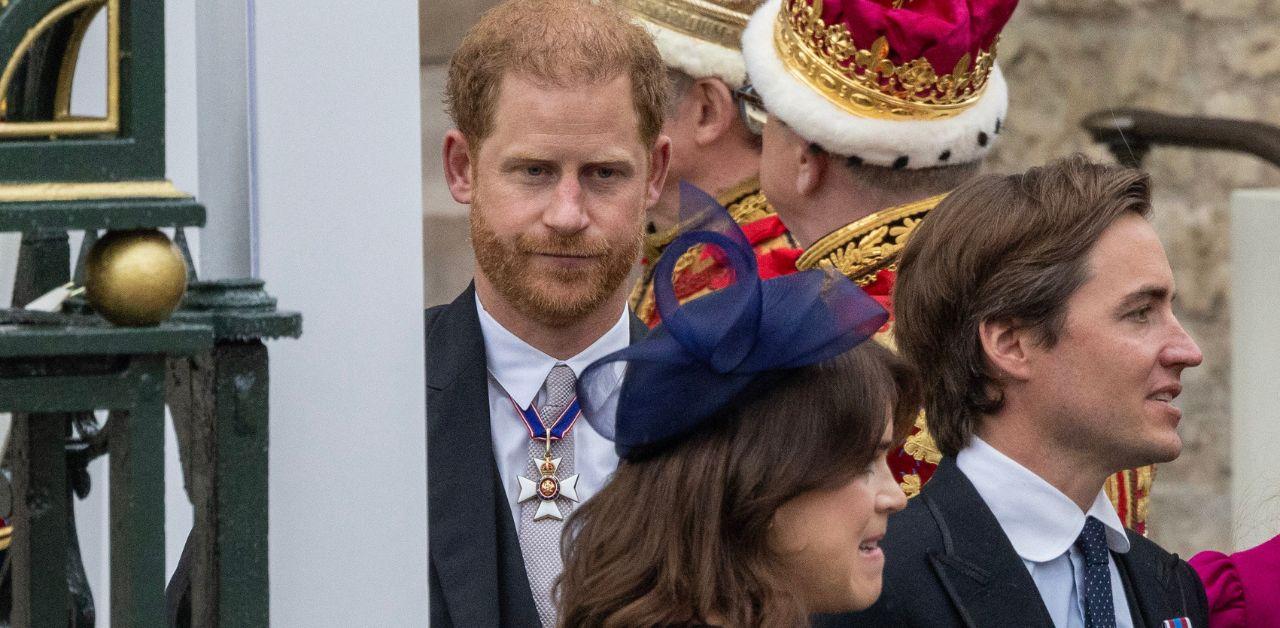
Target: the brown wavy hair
pixel 680 535
pixel 1008 248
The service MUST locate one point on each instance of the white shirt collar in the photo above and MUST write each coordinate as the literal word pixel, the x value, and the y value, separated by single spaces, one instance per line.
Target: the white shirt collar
pixel 1041 522
pixel 521 369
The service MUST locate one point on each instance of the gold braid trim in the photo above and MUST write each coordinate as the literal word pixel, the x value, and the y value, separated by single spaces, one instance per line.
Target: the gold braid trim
pixel 656 243
pixel 745 204
pixel 717 21
pixel 736 195
pixel 863 248
pixel 1142 500
pixel 921 445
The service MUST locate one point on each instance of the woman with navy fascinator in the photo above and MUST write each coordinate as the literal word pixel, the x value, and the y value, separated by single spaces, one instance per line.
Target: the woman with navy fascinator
pixel 753 426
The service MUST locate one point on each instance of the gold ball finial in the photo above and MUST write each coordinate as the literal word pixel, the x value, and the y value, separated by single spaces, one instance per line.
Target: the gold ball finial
pixel 135 278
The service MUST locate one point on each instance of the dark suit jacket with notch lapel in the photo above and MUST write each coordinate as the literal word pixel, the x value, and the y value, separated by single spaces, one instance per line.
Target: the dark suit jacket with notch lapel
pixel 948 563
pixel 476 571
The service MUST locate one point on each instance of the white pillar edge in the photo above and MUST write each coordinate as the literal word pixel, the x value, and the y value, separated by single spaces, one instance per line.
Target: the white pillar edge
pixel 1255 361
pixel 222 64
pixel 339 172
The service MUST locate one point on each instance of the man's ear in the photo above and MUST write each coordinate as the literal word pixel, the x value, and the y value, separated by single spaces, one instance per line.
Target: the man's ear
pixel 1008 348
pixel 716 110
pixel 813 168
pixel 458 161
pixel 659 162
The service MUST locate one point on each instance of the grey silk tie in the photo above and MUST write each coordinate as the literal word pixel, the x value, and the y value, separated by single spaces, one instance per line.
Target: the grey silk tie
pixel 540 540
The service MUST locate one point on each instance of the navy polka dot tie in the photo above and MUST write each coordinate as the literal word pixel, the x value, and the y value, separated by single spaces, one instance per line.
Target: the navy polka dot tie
pixel 1099 610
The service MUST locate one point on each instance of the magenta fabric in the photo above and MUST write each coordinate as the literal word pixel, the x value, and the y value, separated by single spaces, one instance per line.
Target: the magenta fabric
pixel 941 31
pixel 1243 588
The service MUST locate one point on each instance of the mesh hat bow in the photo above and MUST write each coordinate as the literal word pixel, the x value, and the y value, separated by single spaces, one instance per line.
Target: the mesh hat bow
pixel 709 351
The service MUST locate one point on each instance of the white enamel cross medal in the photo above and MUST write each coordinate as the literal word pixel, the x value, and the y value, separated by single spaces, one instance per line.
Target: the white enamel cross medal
pixel 548 488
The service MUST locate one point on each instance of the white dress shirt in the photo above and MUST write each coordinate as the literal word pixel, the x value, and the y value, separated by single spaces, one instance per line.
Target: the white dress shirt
pixel 519 370
pixel 1042 525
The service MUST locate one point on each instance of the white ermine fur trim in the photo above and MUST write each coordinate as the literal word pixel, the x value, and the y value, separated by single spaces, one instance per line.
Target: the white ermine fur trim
pixel 696 57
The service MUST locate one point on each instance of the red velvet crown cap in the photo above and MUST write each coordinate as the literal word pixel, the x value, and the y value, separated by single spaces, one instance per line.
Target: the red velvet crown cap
pixel 940 31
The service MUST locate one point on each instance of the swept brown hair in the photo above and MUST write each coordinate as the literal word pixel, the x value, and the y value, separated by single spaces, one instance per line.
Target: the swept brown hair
pixel 1010 248
pixel 558 43
pixel 681 535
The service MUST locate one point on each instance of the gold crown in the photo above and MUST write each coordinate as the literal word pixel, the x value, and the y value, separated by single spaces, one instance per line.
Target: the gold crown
pixel 865 82
pixel 717 21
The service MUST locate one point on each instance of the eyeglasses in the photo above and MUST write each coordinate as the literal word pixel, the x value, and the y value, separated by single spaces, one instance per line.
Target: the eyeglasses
pixel 751 108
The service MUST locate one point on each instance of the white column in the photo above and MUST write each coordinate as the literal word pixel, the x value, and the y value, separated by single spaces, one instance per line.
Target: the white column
pixel 339 197
pixel 1255 361
pixel 221 55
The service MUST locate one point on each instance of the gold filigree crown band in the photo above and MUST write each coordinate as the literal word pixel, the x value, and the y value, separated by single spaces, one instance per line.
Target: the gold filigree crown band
pixel 863 248
pixel 865 82
pixel 720 22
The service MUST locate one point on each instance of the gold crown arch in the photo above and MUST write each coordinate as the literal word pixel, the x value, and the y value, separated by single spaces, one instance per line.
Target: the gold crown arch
pixel 865 82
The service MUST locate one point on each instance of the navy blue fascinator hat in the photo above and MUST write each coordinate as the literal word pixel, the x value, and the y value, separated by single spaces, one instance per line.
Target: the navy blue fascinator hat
pixel 709 351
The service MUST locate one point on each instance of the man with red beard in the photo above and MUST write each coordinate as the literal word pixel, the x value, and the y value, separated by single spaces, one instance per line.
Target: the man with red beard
pixel 558 107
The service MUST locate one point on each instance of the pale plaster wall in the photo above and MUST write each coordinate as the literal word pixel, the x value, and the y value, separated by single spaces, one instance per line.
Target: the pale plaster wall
pixel 338 167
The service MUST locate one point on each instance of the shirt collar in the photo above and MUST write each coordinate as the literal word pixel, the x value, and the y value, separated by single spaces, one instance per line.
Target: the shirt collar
pixel 521 370
pixel 1041 522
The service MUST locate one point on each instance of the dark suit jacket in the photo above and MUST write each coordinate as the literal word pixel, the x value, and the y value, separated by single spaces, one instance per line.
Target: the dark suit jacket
pixel 948 563
pixel 477 576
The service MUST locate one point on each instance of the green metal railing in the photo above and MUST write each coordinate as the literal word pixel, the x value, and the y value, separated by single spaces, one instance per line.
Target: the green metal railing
pixel 62 173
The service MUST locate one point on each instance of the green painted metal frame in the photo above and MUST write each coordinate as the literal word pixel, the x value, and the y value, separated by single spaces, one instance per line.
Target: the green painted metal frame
pixel 37 386
pixel 102 214
pixel 209 361
pixel 137 152
pixel 219 402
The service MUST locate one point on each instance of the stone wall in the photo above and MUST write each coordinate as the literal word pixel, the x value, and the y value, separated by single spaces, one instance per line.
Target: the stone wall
pixel 1065 59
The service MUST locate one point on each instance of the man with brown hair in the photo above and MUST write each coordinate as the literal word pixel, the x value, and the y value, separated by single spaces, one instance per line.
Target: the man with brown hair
pixel 876 111
pixel 715 143
pixel 558 107
pixel 1038 308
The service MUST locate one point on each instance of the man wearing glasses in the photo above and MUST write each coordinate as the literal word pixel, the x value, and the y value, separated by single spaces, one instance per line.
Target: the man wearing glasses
pixel 715 142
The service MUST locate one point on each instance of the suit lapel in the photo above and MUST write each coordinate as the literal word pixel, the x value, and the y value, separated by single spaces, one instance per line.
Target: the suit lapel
pixel 462 476
pixel 978 567
pixel 638 328
pixel 1150 582
pixel 1135 607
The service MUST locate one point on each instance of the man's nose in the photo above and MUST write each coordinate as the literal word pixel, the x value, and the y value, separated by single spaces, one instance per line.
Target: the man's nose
pixel 1182 351
pixel 567 213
